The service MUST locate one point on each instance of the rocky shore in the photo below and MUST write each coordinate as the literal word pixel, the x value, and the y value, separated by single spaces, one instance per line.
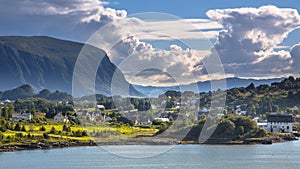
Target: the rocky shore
pixel 142 141
pixel 40 145
pixel 49 145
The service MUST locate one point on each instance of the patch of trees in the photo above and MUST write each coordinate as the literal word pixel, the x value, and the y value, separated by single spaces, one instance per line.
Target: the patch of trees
pixel 262 99
pixel 42 105
pixel 231 127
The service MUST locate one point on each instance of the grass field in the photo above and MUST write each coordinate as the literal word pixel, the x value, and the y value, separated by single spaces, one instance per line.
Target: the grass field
pixel 99 132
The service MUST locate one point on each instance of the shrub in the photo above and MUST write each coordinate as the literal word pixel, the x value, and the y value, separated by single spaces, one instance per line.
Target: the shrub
pixel 46 136
pixel 23 128
pixel 3 128
pixel 19 135
pixel 84 133
pixel 43 128
pixel 53 130
pixel 17 127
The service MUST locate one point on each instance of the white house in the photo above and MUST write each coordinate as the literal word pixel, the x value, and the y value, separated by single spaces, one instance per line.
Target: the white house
pixel 280 123
pixel 100 107
pixel 239 111
pixel 59 117
pixel 295 108
pixel 21 116
pixel 262 125
pixel 163 119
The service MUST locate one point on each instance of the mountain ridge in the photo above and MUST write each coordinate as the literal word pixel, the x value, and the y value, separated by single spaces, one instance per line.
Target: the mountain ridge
pixel 46 62
pixel 205 86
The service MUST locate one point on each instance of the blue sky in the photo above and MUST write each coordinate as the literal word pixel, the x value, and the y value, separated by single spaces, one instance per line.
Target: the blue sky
pixel 194 8
pixel 198 8
pixel 250 38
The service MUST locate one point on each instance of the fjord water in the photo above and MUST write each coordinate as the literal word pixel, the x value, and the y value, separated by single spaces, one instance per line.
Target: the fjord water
pixel 281 155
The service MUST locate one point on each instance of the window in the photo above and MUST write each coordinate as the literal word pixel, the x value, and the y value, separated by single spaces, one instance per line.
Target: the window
pixel 288 127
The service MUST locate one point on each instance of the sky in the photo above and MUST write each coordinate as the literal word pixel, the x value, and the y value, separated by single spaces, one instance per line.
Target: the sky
pixel 171 42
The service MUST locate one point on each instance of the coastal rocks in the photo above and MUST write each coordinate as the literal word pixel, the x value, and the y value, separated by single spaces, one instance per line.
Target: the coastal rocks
pixel 41 145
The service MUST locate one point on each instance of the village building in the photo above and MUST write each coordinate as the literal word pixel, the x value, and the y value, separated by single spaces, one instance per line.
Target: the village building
pixel 239 111
pixel 100 107
pixel 6 102
pixel 163 119
pixel 59 117
pixel 21 116
pixel 295 108
pixel 280 123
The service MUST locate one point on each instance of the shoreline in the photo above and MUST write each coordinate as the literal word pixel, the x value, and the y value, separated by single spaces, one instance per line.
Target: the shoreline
pixel 144 141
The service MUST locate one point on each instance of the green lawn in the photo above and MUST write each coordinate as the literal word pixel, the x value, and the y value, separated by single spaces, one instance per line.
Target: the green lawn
pixel 100 132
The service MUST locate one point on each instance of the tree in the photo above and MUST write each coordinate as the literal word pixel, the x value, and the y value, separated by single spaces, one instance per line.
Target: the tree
pixel 66 128
pixel 5 112
pixel 17 127
pixel 53 130
pixel 3 128
pixel 33 111
pixel 23 128
pixel 251 109
pixel 43 128
pixel 84 133
pixel 46 136
pixel 11 109
pixel 275 108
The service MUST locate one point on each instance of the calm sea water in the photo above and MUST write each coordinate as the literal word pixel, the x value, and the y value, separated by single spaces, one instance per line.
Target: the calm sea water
pixel 281 155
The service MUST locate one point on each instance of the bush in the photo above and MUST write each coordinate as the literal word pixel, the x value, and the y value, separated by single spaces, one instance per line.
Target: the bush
pixel 17 127
pixel 84 133
pixel 43 128
pixel 19 135
pixel 66 128
pixel 3 128
pixel 53 130
pixel 46 136
pixel 78 133
pixel 23 128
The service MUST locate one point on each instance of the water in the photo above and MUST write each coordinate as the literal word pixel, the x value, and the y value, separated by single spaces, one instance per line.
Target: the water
pixel 282 155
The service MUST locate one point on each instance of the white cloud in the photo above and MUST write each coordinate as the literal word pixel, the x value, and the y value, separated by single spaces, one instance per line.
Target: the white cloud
pixel 83 10
pixel 247 44
pixel 295 53
pixel 133 57
pixel 196 29
pixel 67 19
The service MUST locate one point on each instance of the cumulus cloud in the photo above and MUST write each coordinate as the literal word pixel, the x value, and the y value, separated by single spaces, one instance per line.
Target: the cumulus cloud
pixel 82 10
pixel 247 43
pixel 295 53
pixel 137 59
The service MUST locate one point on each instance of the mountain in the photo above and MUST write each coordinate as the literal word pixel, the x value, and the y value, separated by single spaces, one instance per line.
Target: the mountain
pixel 205 86
pixel 23 91
pixel 26 91
pixel 45 62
